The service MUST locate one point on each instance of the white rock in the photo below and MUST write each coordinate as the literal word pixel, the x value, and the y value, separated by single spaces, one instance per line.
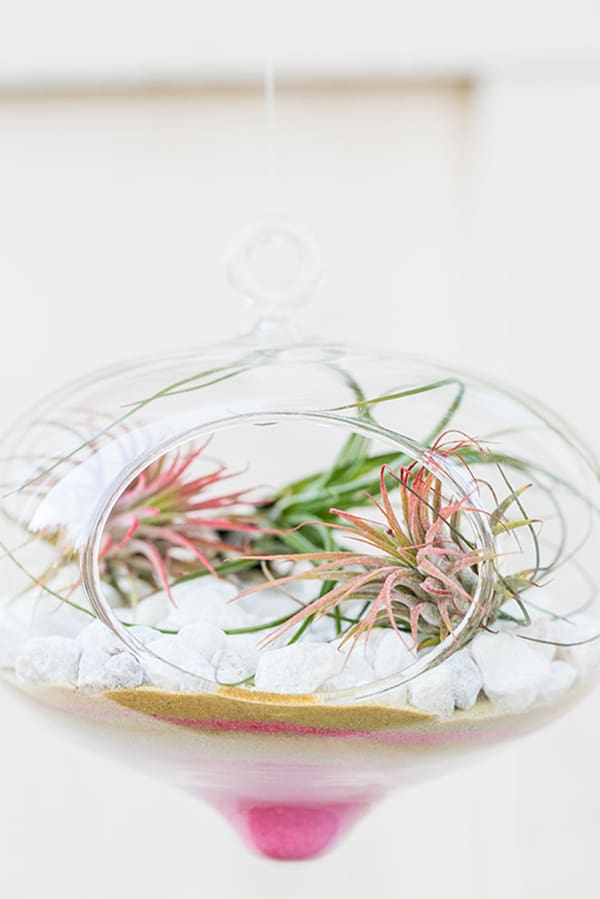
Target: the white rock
pixel 91 676
pixel 204 636
pixel 564 632
pixel 561 678
pixel 267 605
pixel 149 611
pixel 48 660
pixel 145 634
pixel 124 672
pixel 199 588
pixel 247 646
pixel 513 673
pixel 230 668
pixel 62 619
pixel 371 642
pixel 397 696
pixel 585 658
pixel 206 599
pixel 392 655
pixel 304 589
pixel 541 632
pixel 178 653
pixel 433 692
pixel 366 645
pixel 125 614
pixel 467 680
pixel 321 630
pixel 99 671
pixel 355 672
pixel 171 680
pixel 98 636
pixel 299 668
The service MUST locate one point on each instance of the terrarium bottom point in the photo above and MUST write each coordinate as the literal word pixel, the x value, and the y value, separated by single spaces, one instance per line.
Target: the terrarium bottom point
pixel 291 776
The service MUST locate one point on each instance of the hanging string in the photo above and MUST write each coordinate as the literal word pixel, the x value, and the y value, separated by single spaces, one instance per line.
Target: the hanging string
pixel 270 100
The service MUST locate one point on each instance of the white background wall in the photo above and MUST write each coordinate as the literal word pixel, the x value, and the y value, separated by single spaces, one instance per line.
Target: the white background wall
pixel 472 207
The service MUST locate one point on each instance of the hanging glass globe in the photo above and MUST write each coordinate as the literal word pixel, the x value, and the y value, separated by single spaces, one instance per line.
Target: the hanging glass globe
pixel 291 576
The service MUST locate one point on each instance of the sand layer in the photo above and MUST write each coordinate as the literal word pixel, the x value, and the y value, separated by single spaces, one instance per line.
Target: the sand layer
pixel 232 710
pixel 273 713
pixel 267 708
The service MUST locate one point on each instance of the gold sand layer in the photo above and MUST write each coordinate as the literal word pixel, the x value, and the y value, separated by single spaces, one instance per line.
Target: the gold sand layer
pixel 226 705
pixel 300 713
pixel 266 708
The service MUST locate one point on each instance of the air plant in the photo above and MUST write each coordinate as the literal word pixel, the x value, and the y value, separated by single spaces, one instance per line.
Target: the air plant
pixel 412 563
pixel 418 573
pixel 166 524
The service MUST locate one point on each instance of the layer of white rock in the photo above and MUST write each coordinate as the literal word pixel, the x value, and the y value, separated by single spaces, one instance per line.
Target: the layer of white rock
pixel 47 642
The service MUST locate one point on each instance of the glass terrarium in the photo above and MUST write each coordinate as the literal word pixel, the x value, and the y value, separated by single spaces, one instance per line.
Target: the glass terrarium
pixel 289 577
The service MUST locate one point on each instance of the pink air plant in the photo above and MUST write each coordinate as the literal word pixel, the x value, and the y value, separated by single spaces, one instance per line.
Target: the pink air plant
pixel 167 523
pixel 417 574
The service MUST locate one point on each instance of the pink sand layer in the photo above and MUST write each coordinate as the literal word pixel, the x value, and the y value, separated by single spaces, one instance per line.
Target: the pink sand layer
pixel 294 832
pixel 400 737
